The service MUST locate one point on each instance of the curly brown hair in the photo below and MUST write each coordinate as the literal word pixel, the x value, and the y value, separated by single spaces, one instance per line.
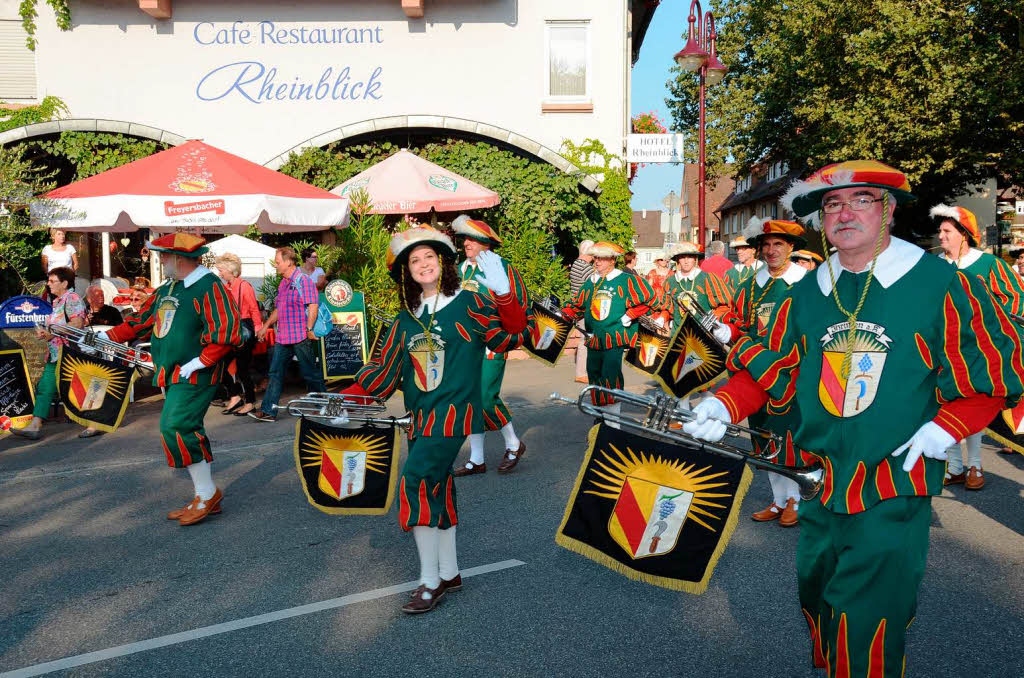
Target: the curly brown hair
pixel 410 292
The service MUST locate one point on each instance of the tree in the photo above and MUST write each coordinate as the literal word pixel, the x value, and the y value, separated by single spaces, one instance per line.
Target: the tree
pixel 20 242
pixel 933 87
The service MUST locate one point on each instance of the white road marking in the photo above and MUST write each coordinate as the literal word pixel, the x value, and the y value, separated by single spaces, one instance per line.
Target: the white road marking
pixel 226 627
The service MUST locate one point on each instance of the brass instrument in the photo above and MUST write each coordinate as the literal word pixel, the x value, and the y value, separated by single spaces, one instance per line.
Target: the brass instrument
pixel 663 410
pixel 648 324
pixel 552 306
pixel 379 316
pixel 88 339
pixel 705 319
pixel 329 408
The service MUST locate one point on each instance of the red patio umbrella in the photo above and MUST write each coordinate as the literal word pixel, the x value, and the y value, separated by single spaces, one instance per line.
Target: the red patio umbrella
pixel 192 187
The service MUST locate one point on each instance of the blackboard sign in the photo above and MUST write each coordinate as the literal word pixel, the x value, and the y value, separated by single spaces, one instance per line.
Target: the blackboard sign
pixel 16 396
pixel 344 350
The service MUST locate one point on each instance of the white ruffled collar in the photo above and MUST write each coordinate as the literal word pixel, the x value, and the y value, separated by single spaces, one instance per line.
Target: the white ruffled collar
pixel 894 262
pixel 966 260
pixel 692 275
pixel 611 276
pixel 428 304
pixel 791 275
pixel 195 275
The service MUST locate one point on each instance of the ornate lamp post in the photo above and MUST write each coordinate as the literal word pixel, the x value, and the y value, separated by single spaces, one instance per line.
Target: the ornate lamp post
pixel 700 55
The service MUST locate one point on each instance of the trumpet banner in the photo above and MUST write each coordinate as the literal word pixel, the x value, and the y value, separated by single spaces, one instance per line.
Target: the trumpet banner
pixel 1008 428
pixel 694 360
pixel 548 336
pixel 94 389
pixel 654 512
pixel 347 471
pixel 649 350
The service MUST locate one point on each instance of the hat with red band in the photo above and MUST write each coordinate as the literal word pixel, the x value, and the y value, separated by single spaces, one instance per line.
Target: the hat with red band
pixel 183 244
pixel 403 243
pixel 962 216
pixel 789 231
pixel 804 198
pixel 476 229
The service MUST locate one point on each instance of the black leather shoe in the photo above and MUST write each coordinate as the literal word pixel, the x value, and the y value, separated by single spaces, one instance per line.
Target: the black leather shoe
pixel 26 433
pixel 419 604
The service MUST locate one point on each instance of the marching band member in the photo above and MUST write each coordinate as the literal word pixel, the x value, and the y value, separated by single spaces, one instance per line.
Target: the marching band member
pixel 656 278
pixel 609 301
pixel 434 352
pixel 959 237
pixel 711 292
pixel 747 262
pixel 478 237
pixel 68 309
pixel 893 356
pixel 751 309
pixel 807 259
pixel 193 323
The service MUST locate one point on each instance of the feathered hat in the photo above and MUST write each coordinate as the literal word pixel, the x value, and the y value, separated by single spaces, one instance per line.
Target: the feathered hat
pixel 807 255
pixel 605 249
pixel 402 244
pixel 477 229
pixel 789 231
pixel 183 244
pixel 687 249
pixel 803 198
pixel 963 217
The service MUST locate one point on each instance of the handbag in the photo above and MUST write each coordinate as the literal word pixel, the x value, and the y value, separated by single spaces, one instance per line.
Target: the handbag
pixel 324 323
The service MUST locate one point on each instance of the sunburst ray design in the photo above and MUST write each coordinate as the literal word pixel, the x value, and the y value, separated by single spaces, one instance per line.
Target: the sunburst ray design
pixel 117 380
pixel 615 466
pixel 377 450
pixel 545 322
pixel 711 363
pixel 862 343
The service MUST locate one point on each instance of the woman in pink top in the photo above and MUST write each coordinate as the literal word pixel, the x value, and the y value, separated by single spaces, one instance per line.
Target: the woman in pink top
pixel 240 387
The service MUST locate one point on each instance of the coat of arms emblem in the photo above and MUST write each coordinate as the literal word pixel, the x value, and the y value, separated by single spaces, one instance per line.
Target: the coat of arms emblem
pixel 850 394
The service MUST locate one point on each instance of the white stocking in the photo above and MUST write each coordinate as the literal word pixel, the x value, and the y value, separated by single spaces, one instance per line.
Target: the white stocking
pixel 974 450
pixel 427 546
pixel 509 434
pixel 955 456
pixel 202 479
pixel 783 489
pixel 476 448
pixel 447 562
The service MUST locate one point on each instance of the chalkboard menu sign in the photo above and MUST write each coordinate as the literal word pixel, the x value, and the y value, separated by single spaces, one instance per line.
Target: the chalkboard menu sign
pixel 344 350
pixel 16 396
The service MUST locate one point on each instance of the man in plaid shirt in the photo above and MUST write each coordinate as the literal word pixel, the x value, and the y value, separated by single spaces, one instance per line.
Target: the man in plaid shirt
pixel 294 316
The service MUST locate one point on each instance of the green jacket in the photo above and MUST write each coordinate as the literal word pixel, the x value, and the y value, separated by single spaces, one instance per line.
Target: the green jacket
pixel 442 386
pixel 471 281
pixel 927 336
pixel 1001 280
pixel 604 302
pixel 738 274
pixel 710 290
pixel 185 319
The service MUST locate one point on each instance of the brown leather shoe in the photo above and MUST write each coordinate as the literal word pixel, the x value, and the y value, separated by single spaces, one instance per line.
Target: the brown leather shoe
pixel 470 469
pixel 1004 450
pixel 178 513
pixel 953 478
pixel 512 458
pixel 975 479
pixel 453 584
pixel 770 513
pixel 418 604
pixel 582 380
pixel 193 514
pixel 789 516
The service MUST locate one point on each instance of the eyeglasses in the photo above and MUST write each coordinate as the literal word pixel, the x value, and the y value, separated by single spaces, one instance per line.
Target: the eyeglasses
pixel 857 205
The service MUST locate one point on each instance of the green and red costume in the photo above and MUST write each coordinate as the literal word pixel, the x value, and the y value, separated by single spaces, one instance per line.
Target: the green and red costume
pixel 184 319
pixel 603 303
pixel 440 380
pixel 739 274
pixel 496 414
pixel 711 293
pixel 930 345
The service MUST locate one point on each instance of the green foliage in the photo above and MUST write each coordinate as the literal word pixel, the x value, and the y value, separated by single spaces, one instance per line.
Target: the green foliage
pixel 616 215
pixel 20 242
pixel 28 13
pixel 360 256
pixel 94 152
pixel 50 108
pixel 934 87
pixel 531 251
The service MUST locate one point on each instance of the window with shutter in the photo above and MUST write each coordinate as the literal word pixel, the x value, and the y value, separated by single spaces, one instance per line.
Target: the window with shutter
pixel 17 64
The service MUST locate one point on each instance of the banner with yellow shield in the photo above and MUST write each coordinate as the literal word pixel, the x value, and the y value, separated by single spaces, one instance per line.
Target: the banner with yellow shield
pixel 94 389
pixel 655 512
pixel 347 471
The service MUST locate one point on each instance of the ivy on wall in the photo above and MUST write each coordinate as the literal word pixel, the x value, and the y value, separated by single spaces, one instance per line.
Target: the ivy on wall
pixel 94 152
pixel 50 108
pixel 27 11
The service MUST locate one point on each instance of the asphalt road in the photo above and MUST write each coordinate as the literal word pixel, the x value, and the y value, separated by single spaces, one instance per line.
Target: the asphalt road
pixel 89 563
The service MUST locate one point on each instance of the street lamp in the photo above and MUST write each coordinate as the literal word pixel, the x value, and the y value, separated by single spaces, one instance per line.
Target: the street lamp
pixel 700 55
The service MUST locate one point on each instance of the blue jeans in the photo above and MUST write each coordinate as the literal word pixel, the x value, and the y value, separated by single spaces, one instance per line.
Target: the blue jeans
pixel 304 352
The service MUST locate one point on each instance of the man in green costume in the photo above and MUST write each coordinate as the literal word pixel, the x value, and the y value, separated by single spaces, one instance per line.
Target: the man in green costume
pixel 609 302
pixel 193 323
pixel 893 355
pixel 478 237
pixel 751 308
pixel 747 263
pixel 708 290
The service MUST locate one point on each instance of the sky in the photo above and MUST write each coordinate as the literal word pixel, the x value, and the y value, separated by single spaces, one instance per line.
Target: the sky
pixel 651 72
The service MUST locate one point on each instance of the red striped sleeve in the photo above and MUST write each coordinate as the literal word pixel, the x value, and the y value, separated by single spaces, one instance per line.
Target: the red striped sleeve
pixel 951 349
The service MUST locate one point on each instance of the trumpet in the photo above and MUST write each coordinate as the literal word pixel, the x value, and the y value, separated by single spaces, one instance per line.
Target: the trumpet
pixel 359 409
pixel 379 316
pixel 129 356
pixel 704 318
pixel 663 410
pixel 648 324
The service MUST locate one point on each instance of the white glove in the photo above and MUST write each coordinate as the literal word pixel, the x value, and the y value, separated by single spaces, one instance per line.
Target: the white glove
pixel 343 420
pixel 930 440
pixel 190 367
pixel 626 321
pixel 493 273
pixel 85 348
pixel 722 333
pixel 710 424
pixel 660 321
pixel 102 334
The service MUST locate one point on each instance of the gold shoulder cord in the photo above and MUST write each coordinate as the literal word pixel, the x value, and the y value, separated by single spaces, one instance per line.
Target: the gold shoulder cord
pixel 844 371
pixel 430 323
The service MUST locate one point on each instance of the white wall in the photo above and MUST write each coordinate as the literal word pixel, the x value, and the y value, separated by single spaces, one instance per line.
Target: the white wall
pixel 481 61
